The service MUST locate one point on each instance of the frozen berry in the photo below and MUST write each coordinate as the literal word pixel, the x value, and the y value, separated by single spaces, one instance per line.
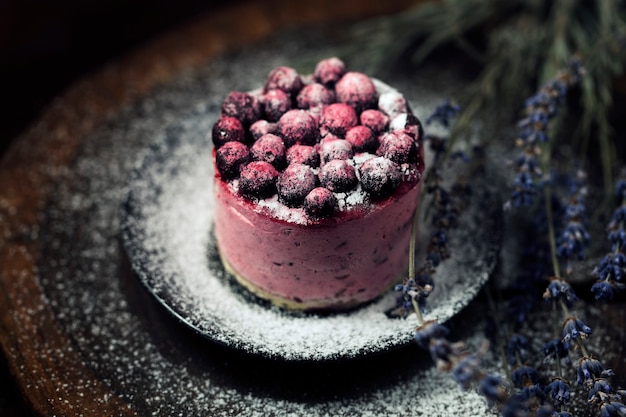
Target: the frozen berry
pixel 337 118
pixel 362 139
pixel 269 148
pixel 258 179
pixel 228 129
pixel 276 103
pixel 320 202
pixel 335 149
pixel 393 103
pixel 376 120
pixel 409 123
pixel 230 157
pixel 329 71
pixel 294 183
pixel 338 176
pixel 357 90
pixel 380 177
pixel 285 79
pixel 298 126
pixel 242 106
pixel 315 95
pixel 261 127
pixel 397 146
pixel 303 154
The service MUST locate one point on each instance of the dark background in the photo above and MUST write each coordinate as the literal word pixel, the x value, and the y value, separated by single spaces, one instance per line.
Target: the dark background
pixel 46 45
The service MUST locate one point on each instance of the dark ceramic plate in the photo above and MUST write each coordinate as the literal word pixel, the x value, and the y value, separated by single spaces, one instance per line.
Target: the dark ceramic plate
pixel 167 229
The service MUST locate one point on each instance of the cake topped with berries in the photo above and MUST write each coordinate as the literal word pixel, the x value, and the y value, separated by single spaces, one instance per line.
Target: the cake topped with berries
pixel 317 179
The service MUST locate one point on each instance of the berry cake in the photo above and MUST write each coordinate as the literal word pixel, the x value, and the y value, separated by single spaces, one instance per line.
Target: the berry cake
pixel 317 180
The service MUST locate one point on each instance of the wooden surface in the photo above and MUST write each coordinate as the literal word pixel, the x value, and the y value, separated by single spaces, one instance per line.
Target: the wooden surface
pixel 50 374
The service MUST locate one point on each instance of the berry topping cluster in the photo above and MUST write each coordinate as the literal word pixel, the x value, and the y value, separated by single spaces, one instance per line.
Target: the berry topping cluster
pixel 311 140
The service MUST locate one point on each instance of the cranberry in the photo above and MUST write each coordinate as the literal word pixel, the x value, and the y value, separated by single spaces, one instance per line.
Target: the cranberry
pixel 357 90
pixel 269 148
pixel 337 118
pixel 285 79
pixel 258 179
pixel 276 103
pixel 376 120
pixel 230 157
pixel 315 95
pixel 338 176
pixel 261 127
pixel 335 149
pixel 398 146
pixel 380 177
pixel 228 129
pixel 362 139
pixel 329 71
pixel 294 183
pixel 393 103
pixel 298 126
pixel 303 154
pixel 320 202
pixel 242 106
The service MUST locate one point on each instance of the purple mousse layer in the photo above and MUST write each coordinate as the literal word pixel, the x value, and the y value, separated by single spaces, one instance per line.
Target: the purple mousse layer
pixel 332 263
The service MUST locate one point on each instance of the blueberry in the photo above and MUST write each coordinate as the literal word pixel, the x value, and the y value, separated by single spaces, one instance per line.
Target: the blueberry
pixel 242 106
pixel 298 126
pixel 284 78
pixel 294 183
pixel 357 90
pixel 338 176
pixel 315 95
pixel 230 157
pixel 228 129
pixel 337 118
pixel 258 179
pixel 320 202
pixel 398 146
pixel 362 139
pixel 329 71
pixel 303 154
pixel 276 103
pixel 335 149
pixel 261 127
pixel 380 177
pixel 269 148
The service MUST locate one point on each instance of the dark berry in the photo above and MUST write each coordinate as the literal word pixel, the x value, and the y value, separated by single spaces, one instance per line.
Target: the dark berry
pixel 258 179
pixel 380 177
pixel 398 146
pixel 357 90
pixel 228 129
pixel 230 157
pixel 329 71
pixel 393 103
pixel 294 183
pixel 269 148
pixel 315 95
pixel 376 120
pixel 303 154
pixel 320 202
pixel 262 127
pixel 335 149
pixel 337 118
pixel 298 126
pixel 276 103
pixel 338 176
pixel 362 139
pixel 242 106
pixel 285 79
pixel 409 123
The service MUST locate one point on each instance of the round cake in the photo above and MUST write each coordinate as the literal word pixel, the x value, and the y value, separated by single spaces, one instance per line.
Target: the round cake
pixel 317 179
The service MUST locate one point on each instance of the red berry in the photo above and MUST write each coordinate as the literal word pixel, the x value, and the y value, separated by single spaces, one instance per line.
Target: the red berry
pixel 335 149
pixel 285 79
pixel 337 118
pixel 269 148
pixel 228 129
pixel 294 183
pixel 262 127
pixel 230 157
pixel 357 90
pixel 303 154
pixel 320 202
pixel 298 126
pixel 315 95
pixel 242 106
pixel 376 120
pixel 258 180
pixel 380 177
pixel 338 176
pixel 276 103
pixel 329 71
pixel 398 146
pixel 362 139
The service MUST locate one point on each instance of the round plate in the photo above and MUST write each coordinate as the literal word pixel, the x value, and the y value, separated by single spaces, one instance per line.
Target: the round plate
pixel 167 229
